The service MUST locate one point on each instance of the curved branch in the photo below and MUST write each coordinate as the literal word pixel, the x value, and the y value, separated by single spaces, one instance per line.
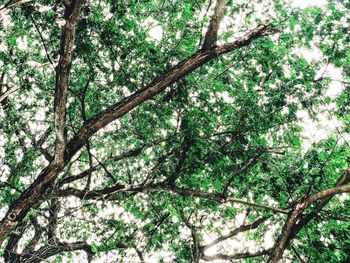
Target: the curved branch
pixel 234 232
pixel 11 4
pixel 250 162
pixel 328 192
pixel 8 92
pixel 296 221
pixel 53 249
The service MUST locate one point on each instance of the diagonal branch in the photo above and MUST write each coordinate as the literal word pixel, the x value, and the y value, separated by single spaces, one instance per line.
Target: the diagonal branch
pixel 8 92
pixel 234 232
pixel 38 144
pixel 213 28
pixel 131 153
pixel 42 40
pixel 282 240
pixel 328 193
pixel 11 4
pixel 159 84
pixel 34 194
pixel 242 169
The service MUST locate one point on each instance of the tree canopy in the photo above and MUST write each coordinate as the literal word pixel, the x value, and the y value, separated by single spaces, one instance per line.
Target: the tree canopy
pixel 174 131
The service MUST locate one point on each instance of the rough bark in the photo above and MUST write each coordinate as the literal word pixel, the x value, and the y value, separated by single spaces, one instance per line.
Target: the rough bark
pixel 300 221
pixel 33 196
pixel 281 243
pixel 213 28
pixel 35 192
pixel 71 15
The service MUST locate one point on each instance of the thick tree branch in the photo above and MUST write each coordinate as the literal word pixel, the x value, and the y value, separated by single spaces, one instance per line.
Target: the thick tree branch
pixel 296 221
pixel 213 28
pixel 71 15
pixel 36 190
pixel 159 84
pixel 328 192
pixel 281 243
pixel 52 226
pixel 54 249
pixel 34 194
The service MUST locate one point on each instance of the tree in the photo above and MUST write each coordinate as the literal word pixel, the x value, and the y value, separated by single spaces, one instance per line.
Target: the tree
pixel 117 144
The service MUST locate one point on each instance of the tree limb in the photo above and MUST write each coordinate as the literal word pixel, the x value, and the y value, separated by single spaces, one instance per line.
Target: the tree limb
pixel 34 194
pixel 213 28
pixel 328 192
pixel 11 4
pixel 71 15
pixel 234 232
pixel 8 92
pixel 237 256
pixel 174 74
pixel 297 221
pixel 242 169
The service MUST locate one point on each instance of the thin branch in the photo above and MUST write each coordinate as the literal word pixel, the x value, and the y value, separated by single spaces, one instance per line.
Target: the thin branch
pixel 132 153
pixel 237 256
pixel 38 144
pixel 11 4
pixel 297 255
pixel 266 207
pixel 250 162
pixel 8 92
pixel 33 195
pixel 197 252
pixel 162 186
pixel 42 40
pixel 234 232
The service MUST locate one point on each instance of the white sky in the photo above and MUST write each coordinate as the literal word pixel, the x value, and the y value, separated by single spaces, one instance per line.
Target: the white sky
pixel 308 3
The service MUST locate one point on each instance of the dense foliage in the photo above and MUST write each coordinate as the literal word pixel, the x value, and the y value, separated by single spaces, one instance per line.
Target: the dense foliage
pixel 174 131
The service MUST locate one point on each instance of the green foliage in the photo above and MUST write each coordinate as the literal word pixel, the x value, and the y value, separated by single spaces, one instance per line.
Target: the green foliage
pixel 196 135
